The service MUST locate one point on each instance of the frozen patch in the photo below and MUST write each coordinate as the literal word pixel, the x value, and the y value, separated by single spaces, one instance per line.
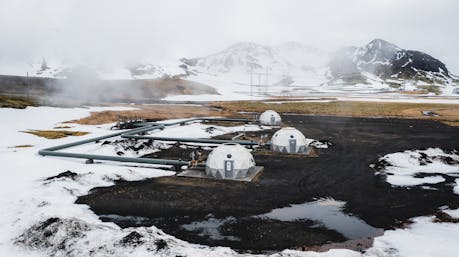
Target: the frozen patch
pixel 320 143
pixel 420 168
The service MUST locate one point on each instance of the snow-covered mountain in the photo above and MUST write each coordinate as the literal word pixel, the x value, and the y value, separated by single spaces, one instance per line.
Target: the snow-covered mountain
pixel 292 68
pixel 377 66
pixel 247 61
pixel 54 68
pixel 387 63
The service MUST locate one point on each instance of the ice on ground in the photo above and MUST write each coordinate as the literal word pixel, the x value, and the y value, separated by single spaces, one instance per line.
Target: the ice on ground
pixel 418 167
pixel 456 187
pixel 210 228
pixel 311 96
pixel 330 253
pixel 413 181
pixel 329 213
pixel 200 130
pixel 318 143
pixel 423 238
pixel 44 118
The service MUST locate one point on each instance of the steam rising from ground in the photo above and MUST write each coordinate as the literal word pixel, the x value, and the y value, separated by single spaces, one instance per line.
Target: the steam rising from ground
pixel 84 88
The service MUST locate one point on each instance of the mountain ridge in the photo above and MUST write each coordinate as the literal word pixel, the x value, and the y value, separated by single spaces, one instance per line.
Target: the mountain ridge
pixel 379 65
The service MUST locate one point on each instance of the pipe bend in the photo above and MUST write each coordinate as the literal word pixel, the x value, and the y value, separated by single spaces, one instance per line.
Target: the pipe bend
pixel 52 151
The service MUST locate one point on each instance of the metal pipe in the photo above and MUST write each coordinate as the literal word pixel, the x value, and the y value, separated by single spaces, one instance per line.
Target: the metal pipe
pixel 82 142
pixel 194 140
pixel 51 151
pixel 237 136
pixel 115 158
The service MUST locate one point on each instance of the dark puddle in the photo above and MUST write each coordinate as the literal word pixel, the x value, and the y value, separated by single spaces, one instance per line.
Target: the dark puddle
pixel 326 212
pixel 318 222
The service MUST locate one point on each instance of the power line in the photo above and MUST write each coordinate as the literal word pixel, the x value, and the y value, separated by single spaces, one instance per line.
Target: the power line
pixel 261 87
pixel 259 83
pixel 251 81
pixel 267 84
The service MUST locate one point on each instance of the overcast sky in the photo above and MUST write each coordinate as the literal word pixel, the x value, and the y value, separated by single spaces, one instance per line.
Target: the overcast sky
pixel 121 31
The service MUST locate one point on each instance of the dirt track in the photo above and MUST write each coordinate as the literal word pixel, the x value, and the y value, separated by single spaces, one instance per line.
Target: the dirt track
pixel 341 172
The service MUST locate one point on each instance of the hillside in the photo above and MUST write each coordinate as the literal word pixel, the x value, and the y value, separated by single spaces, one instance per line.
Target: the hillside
pixel 247 70
pixel 387 63
pixel 78 90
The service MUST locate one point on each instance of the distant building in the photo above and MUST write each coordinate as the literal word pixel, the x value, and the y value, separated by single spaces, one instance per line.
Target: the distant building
pixel 289 140
pixel 230 161
pixel 456 91
pixel 270 118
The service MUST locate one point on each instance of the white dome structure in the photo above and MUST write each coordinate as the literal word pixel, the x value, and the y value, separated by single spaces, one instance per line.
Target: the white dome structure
pixel 270 118
pixel 289 140
pixel 230 161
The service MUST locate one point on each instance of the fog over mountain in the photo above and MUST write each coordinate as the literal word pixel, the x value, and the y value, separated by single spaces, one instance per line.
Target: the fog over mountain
pixel 109 33
pixel 378 66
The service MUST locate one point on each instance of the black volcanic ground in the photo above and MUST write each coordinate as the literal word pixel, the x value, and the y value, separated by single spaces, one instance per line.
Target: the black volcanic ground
pixel 341 172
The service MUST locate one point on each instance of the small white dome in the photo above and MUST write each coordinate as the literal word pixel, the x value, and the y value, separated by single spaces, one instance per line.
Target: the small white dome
pixel 270 117
pixel 230 161
pixel 289 140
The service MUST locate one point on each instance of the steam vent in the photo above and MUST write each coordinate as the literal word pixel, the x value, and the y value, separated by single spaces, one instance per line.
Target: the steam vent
pixel 289 140
pixel 230 161
pixel 270 118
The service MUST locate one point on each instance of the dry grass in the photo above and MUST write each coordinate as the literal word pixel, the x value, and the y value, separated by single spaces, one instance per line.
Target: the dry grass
pixel 417 92
pixel 55 134
pixel 21 146
pixel 62 127
pixel 449 113
pixel 7 101
pixel 153 112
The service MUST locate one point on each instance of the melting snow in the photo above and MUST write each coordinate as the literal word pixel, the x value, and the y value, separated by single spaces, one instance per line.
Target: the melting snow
pixel 35 208
pixel 210 228
pixel 41 215
pixel 423 238
pixel 419 167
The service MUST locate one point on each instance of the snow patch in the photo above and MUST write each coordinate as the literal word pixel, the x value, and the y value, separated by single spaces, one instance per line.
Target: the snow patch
pixel 418 167
pixel 423 238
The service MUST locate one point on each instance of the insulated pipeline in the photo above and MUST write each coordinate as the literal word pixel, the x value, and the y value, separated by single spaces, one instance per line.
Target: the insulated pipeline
pixel 53 151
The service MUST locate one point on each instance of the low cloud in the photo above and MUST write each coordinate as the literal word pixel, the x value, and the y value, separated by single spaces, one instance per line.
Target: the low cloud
pixel 111 32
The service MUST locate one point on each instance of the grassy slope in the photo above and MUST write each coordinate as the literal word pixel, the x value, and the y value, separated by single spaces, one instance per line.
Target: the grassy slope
pixel 67 91
pixel 55 134
pixel 449 113
pixel 19 102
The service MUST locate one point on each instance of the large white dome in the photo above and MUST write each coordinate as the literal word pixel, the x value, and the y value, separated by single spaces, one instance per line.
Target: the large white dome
pixel 230 161
pixel 270 117
pixel 289 140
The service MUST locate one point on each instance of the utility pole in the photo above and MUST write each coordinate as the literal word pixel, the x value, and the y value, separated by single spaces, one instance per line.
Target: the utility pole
pixel 251 81
pixel 261 87
pixel 259 83
pixel 28 85
pixel 267 84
